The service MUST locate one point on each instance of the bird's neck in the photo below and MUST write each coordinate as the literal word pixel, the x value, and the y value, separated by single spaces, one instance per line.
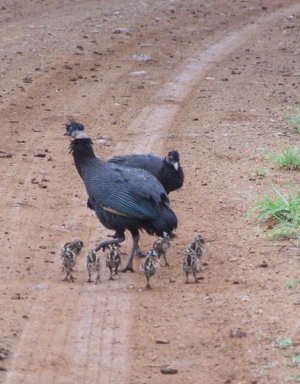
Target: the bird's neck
pixel 82 151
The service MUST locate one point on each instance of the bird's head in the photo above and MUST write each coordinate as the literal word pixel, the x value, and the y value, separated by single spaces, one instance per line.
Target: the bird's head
pixel 75 130
pixel 199 239
pixel 153 253
pixel 173 159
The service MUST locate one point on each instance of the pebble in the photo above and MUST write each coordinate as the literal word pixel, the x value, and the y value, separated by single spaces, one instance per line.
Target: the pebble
pixel 167 370
pixel 162 341
pixel 142 57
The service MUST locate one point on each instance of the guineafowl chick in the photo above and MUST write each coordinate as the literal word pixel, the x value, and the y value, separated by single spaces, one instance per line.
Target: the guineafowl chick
pixel 69 253
pixel 161 246
pixel 75 246
pixel 68 263
pixel 190 264
pixel 93 265
pixel 113 259
pixel 197 245
pixel 150 266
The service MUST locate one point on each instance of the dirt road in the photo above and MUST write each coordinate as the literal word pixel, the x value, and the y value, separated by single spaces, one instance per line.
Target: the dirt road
pixel 214 80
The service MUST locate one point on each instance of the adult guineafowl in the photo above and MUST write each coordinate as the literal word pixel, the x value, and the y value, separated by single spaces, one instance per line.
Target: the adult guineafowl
pixel 123 198
pixel 167 170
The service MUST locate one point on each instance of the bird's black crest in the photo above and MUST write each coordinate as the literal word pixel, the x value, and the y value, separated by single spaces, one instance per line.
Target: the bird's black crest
pixel 73 126
pixel 174 155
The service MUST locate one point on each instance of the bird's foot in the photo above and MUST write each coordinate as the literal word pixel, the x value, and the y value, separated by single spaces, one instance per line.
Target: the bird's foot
pixel 140 254
pixel 127 268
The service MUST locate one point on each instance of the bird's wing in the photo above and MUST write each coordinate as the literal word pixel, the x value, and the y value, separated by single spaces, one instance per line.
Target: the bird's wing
pixel 127 192
pixel 150 163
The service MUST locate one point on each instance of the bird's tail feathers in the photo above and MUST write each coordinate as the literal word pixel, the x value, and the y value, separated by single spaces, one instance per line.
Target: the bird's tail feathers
pixel 166 222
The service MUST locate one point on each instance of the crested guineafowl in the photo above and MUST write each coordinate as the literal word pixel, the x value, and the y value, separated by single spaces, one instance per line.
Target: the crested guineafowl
pixel 167 170
pixel 123 198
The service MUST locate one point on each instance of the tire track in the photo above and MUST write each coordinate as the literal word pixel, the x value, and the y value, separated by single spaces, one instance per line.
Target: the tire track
pixel 88 341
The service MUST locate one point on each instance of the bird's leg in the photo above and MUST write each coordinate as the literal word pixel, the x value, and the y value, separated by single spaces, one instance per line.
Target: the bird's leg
pixel 195 277
pixel 90 276
pixel 98 269
pixel 166 261
pixel 72 278
pixel 135 239
pixel 186 278
pixel 116 240
pixel 148 286
pixel 111 272
pixel 98 280
pixel 139 253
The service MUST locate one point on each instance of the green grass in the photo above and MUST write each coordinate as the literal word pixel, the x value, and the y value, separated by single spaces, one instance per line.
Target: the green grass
pixel 281 214
pixel 294 360
pixel 292 284
pixel 289 158
pixel 260 172
pixel 266 367
pixel 282 343
pixel 294 119
pixel 294 379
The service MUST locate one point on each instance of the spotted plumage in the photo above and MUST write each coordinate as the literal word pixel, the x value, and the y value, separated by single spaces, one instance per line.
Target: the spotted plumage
pixel 123 198
pixel 167 170
pixel 75 246
pixel 190 264
pixel 113 259
pixel 93 264
pixel 198 245
pixel 150 266
pixel 161 246
pixel 68 254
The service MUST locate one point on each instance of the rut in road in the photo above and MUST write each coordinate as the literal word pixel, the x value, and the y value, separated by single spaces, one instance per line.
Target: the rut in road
pixel 87 343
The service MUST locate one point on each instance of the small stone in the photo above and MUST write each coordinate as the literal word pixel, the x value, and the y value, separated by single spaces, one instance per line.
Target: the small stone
pixel 162 341
pixel 143 57
pixel 237 333
pixel 118 31
pixel 263 264
pixel 172 280
pixel 167 370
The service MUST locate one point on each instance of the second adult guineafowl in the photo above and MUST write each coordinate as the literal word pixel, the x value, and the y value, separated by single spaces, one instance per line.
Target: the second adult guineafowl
pixel 167 170
pixel 123 198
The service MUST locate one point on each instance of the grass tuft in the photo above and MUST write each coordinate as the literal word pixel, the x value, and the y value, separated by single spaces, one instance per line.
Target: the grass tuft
pixel 289 159
pixel 281 214
pixel 260 172
pixel 294 360
pixel 282 343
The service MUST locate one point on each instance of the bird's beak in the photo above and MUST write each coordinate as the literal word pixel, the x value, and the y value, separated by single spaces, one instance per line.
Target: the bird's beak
pixel 176 165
